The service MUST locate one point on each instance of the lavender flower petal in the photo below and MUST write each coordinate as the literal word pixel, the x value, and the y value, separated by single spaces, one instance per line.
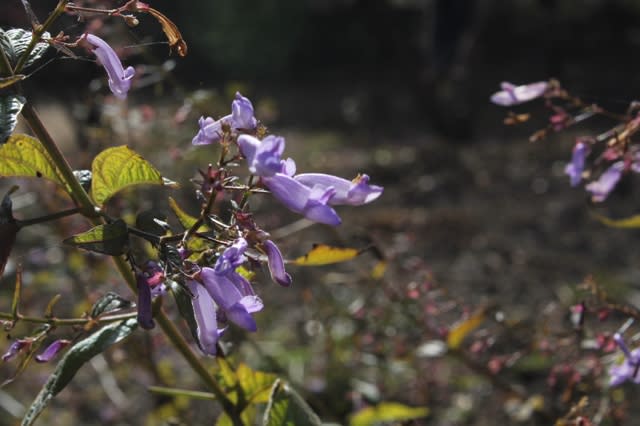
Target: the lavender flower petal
pixel 276 264
pixel 119 78
pixel 263 157
pixel 52 350
pixel 242 113
pixel 601 188
pixel 355 192
pixel 205 313
pixel 576 166
pixel 514 95
pixel 145 319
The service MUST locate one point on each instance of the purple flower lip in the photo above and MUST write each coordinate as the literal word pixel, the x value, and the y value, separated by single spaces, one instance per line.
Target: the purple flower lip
pixel 263 156
pixel 514 95
pixel 15 348
pixel 52 350
pixel 355 192
pixel 601 188
pixel 119 78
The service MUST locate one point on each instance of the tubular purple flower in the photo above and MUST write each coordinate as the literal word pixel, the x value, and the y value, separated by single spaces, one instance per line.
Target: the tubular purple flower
pixel 263 156
pixel 204 311
pixel 145 319
pixel 241 118
pixel 355 192
pixel 601 188
pixel 276 264
pixel 242 113
pixel 231 257
pixel 576 166
pixel 52 350
pixel 628 370
pixel 310 202
pixel 236 306
pixel 119 78
pixel 15 348
pixel 515 95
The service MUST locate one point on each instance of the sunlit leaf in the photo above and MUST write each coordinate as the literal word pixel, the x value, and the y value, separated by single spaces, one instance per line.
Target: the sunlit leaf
pixel 287 408
pixel 24 156
pixel 387 412
pixel 8 81
pixel 322 254
pixel 78 355
pixel 108 303
pixel 15 41
pixel 117 168
pixel 462 329
pixel 629 222
pixel 379 269
pixel 10 107
pixel 8 229
pixel 111 238
pixel 256 385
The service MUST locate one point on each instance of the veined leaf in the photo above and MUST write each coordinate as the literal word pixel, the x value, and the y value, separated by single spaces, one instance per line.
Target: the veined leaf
pixel 78 355
pixel 117 168
pixel 15 41
pixel 24 156
pixel 322 254
pixel 287 408
pixel 387 412
pixel 459 331
pixel 10 107
pixel 110 238
pixel 629 222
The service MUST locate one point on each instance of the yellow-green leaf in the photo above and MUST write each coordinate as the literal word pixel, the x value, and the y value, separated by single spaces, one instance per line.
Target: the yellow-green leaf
pixel 117 168
pixel 287 408
pixel 256 385
pixel 459 331
pixel 387 412
pixel 8 81
pixel 322 254
pixel 111 238
pixel 379 270
pixel 629 222
pixel 24 156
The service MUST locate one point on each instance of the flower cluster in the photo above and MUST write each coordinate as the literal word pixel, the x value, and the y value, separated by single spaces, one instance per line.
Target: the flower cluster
pixel 221 294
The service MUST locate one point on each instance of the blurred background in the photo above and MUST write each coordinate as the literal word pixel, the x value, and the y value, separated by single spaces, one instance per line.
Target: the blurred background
pixel 398 89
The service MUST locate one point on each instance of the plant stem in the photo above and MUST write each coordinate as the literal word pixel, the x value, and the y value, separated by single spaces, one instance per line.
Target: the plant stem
pixel 181 392
pixel 49 217
pixel 37 34
pixel 61 322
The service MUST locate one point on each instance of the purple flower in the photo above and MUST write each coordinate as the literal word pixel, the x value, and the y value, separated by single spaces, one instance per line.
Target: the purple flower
pixel 230 300
pixel 276 264
pixel 355 192
pixel 231 257
pixel 576 166
pixel 119 78
pixel 601 188
pixel 628 370
pixel 310 202
pixel 263 156
pixel 204 311
pixel 15 348
pixel 241 118
pixel 52 350
pixel 515 95
pixel 145 319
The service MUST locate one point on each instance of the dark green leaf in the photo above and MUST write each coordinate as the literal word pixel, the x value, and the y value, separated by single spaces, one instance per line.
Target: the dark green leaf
pixel 111 238
pixel 14 42
pixel 8 229
pixel 75 358
pixel 150 221
pixel 117 168
pixel 287 408
pixel 10 107
pixel 108 303
pixel 183 301
pixel 24 156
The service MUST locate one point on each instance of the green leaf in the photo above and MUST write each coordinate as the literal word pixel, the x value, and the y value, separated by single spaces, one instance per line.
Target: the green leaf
pixel 185 308
pixel 117 168
pixel 15 41
pixel 322 254
pixel 108 303
pixel 10 107
pixel 186 220
pixel 256 385
pixel 8 81
pixel 24 156
pixel 151 221
pixel 74 359
pixel 287 408
pixel 387 412
pixel 8 229
pixel 111 238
